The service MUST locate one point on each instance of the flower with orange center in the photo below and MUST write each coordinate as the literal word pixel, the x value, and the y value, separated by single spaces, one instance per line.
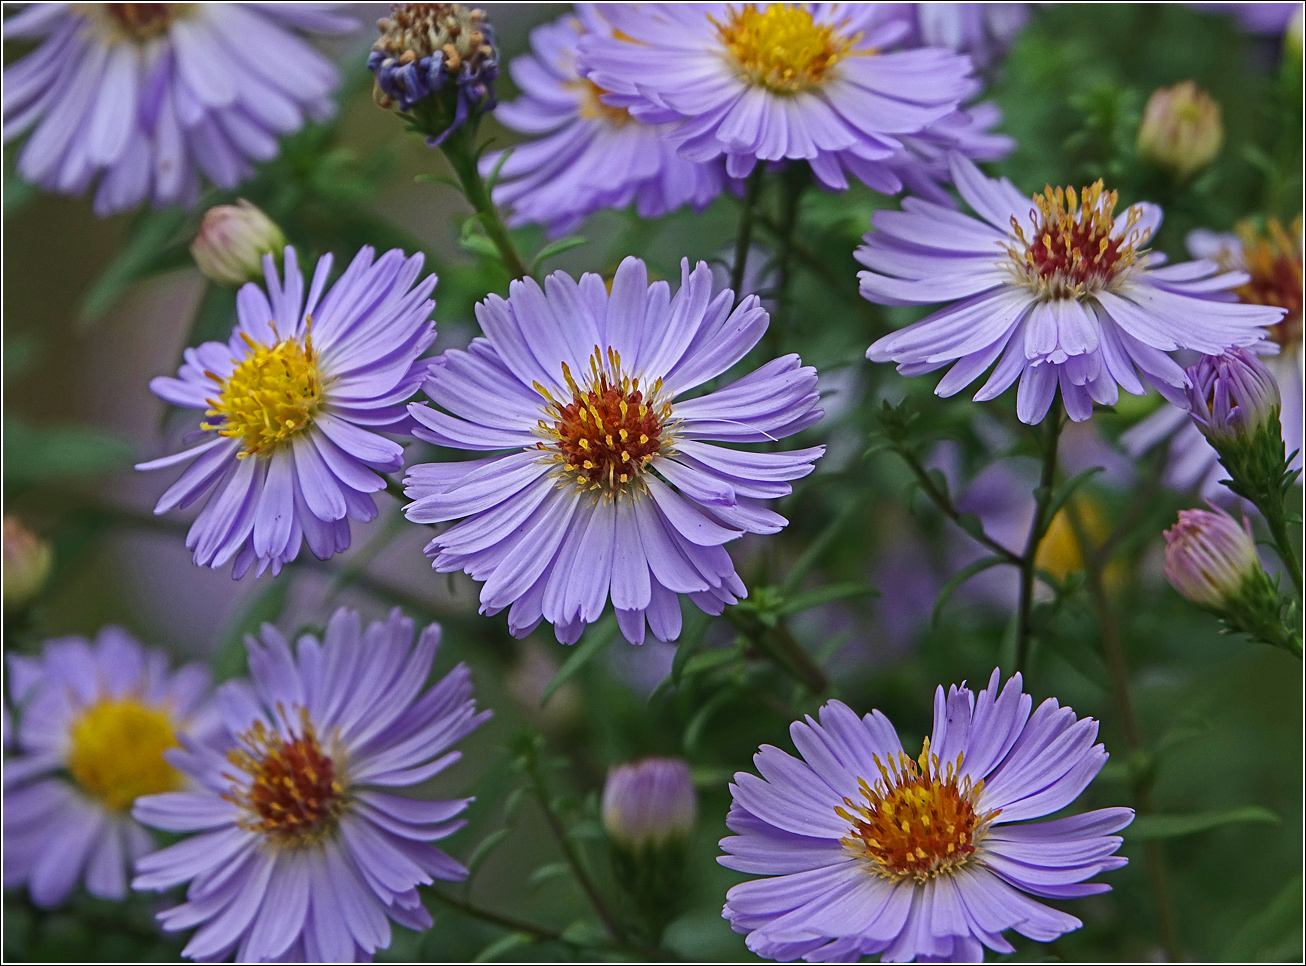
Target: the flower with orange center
pixel 608 434
pixel 292 792
pixel 1273 259
pixel 305 840
pixel 933 859
pixel 918 820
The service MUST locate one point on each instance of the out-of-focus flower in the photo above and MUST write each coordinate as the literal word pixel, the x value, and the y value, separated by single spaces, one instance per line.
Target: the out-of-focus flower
pixel 867 850
pixel 294 406
pixel 650 802
pixel 1181 129
pixel 1210 559
pixel 821 83
pixel 1077 529
pixel 303 852
pixel 530 677
pixel 150 96
pixel 982 30
pixel 613 487
pixel 424 46
pixel 27 563
pixel 94 722
pixel 1060 293
pixel 1272 261
pixel 1292 38
pixel 232 241
pixel 589 155
pixel 1256 18
pixel 1232 397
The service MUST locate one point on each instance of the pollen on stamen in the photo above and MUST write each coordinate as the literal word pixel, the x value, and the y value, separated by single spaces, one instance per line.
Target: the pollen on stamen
pixel 610 431
pixel 1076 248
pixel 919 820
pixel 782 48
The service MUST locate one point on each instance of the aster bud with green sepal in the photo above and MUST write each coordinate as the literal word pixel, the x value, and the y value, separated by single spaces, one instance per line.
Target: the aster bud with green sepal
pixel 649 810
pixel 1211 560
pixel 232 241
pixel 1181 130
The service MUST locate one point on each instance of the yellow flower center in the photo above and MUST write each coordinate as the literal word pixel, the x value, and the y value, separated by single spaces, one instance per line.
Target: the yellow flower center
pixel 1061 552
pixel 1273 259
pixel 592 106
pixel 116 752
pixel 917 821
pixel 272 395
pixel 137 22
pixel 291 792
pixel 781 48
pixel 610 430
pixel 1072 252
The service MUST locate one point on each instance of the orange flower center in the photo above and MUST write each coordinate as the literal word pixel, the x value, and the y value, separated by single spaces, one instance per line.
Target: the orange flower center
pixel 919 820
pixel 1072 252
pixel 142 21
pixel 592 106
pixel 1273 259
pixel 608 433
pixel 293 794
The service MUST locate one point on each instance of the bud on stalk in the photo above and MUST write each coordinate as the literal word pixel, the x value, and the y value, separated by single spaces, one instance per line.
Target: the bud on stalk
pixel 1181 130
pixel 27 562
pixel 232 241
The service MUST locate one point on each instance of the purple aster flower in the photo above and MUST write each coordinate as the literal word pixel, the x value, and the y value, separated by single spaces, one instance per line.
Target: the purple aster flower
pixel 816 82
pixel 982 30
pixel 589 155
pixel 303 852
pixel 870 851
pixel 294 403
pixel 1057 292
pixel 1271 260
pixel 94 720
pixel 153 95
pixel 613 486
pixel 1256 18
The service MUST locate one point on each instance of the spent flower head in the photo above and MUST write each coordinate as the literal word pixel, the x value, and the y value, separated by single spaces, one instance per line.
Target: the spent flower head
pixel 440 49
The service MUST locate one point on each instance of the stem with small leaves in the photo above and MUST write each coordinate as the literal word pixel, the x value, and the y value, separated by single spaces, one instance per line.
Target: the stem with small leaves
pixel 460 148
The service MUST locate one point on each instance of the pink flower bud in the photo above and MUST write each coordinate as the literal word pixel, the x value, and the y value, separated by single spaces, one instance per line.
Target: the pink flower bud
pixel 1181 129
pixel 232 242
pixel 1209 558
pixel 649 802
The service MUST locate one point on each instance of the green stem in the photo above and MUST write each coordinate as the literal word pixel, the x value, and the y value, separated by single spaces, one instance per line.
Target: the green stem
pixel 459 147
pixel 1038 529
pixel 570 853
pixel 1095 561
pixel 496 919
pixel 782 647
pixel 945 505
pixel 1276 520
pixel 793 185
pixel 744 237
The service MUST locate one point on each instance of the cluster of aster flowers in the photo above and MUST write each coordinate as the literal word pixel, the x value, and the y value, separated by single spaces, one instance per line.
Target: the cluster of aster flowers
pixel 622 433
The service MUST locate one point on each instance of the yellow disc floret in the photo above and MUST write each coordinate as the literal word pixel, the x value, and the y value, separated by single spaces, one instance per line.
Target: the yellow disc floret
pixel 273 394
pixel 116 752
pixel 781 48
pixel 919 820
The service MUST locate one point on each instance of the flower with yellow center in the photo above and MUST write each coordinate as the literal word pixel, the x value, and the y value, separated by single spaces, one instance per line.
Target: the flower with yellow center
pixel 97 723
pixel 781 48
pixel 272 394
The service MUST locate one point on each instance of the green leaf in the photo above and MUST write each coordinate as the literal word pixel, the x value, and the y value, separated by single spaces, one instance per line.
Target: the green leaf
pixel 493 179
pixel 502 945
pixel 438 179
pixel 150 250
pixel 691 637
pixel 1146 828
pixel 587 830
pixel 584 934
pixel 35 455
pixel 483 849
pixel 825 595
pixel 479 245
pixel 694 729
pixel 556 248
pixel 959 578
pixel 711 659
pixel 265 607
pixel 215 315
pixel 1063 493
pixel 595 640
pixel 21 354
pixel 547 873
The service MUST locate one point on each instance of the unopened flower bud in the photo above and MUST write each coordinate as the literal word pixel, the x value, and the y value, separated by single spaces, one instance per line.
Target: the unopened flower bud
pixel 1181 130
pixel 649 803
pixel 440 49
pixel 27 562
pixel 1211 560
pixel 1233 397
pixel 232 242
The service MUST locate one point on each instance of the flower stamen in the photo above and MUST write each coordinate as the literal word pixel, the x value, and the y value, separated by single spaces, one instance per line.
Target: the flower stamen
pixel 782 48
pixel 116 752
pixel 919 820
